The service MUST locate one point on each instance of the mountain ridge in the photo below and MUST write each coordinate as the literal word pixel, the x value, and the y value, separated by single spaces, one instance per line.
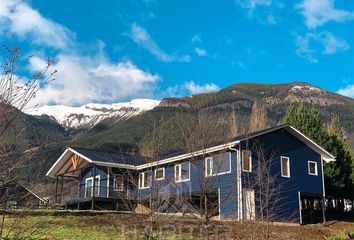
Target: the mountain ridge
pixel 88 115
pixel 238 97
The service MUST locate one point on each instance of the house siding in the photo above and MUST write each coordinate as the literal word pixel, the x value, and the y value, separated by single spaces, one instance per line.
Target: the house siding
pixel 279 142
pixel 225 184
pixel 282 143
pixel 89 172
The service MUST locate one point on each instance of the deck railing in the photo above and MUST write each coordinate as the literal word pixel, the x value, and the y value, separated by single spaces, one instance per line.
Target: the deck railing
pixel 72 194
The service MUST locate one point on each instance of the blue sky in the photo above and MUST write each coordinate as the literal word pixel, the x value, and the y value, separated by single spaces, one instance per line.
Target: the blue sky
pixel 110 51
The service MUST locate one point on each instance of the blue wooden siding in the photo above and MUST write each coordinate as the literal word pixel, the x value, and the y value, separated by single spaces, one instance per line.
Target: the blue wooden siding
pixel 89 172
pixel 280 142
pixel 285 144
pixel 225 184
pixel 129 191
pixel 130 180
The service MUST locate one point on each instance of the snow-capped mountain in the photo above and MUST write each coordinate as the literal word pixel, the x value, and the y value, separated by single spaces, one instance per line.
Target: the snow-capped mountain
pixel 89 115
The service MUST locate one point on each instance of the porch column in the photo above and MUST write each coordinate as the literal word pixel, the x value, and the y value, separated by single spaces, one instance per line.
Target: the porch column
pixel 94 187
pixel 324 210
pixel 61 187
pixel 56 189
pixel 78 191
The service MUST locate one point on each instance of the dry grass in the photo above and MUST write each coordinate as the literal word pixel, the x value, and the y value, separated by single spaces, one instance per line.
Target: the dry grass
pixel 45 224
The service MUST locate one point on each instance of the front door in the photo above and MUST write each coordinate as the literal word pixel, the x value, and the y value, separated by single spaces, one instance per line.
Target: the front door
pixel 249 209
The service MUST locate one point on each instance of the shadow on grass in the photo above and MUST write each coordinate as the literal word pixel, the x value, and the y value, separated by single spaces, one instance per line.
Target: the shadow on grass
pixel 340 216
pixel 45 212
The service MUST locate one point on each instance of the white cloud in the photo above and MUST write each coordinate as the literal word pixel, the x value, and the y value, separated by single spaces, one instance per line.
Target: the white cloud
pixel 194 88
pixel 143 39
pixel 19 18
pixel 253 4
pixel 81 80
pixel 311 43
pixel 334 44
pixel 196 39
pixel 347 91
pixel 320 12
pixel 188 89
pixel 201 52
pixel 269 9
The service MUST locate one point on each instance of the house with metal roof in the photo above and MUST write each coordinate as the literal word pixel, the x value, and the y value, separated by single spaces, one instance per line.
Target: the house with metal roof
pixel 14 194
pixel 278 171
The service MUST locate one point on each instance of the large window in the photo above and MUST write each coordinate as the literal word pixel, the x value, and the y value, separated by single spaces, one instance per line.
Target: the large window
pixel 246 161
pixel 144 179
pixel 312 168
pixel 118 182
pixel 218 164
pixel 285 166
pixel 182 172
pixel 160 173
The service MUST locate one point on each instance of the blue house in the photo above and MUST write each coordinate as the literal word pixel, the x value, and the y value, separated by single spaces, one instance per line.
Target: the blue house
pixel 274 174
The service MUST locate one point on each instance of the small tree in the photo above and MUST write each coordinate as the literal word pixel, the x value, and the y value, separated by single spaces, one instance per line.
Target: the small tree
pixel 199 127
pixel 15 94
pixel 267 191
pixel 337 174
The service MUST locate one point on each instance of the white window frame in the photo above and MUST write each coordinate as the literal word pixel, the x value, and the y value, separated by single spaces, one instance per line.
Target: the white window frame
pixel 316 168
pixel 208 174
pixel 142 180
pixel 177 180
pixel 281 167
pixel 163 173
pixel 211 159
pixel 98 185
pixel 115 182
pixel 250 161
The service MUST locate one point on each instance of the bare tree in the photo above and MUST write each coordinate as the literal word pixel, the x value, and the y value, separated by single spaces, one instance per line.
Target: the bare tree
pixel 200 128
pixel 148 195
pixel 15 94
pixel 268 205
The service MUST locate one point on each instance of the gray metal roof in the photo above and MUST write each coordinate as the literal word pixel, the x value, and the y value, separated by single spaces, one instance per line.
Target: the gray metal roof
pixel 110 157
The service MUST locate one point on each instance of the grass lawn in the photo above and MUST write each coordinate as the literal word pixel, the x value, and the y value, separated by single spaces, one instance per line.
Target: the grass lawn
pixel 46 224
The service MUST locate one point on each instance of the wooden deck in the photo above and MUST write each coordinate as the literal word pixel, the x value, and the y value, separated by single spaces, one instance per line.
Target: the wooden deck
pixel 100 203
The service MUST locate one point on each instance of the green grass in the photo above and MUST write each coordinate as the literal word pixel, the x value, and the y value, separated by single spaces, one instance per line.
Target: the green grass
pixel 43 225
pixel 341 235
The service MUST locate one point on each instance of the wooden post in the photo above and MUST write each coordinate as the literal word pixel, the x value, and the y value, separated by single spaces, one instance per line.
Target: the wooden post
pixel 61 187
pixel 56 189
pixel 78 191
pixel 94 187
pixel 324 210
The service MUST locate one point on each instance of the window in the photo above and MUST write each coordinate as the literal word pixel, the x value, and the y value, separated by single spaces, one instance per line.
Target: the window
pixel 218 164
pixel 160 173
pixel 89 186
pixel 118 182
pixel 246 161
pixel 144 179
pixel 182 172
pixel 285 166
pixel 312 168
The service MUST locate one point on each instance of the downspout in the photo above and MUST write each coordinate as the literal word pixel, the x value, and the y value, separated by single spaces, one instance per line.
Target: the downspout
pixel 238 180
pixel 323 194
